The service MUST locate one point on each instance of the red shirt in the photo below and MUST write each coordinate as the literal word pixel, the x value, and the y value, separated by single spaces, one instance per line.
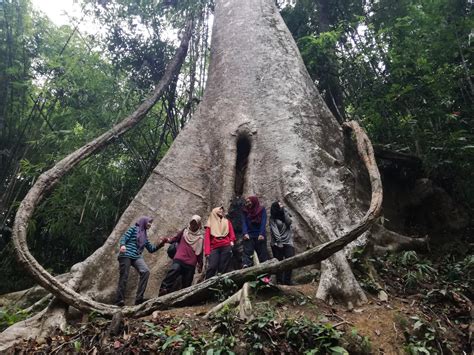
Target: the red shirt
pixel 184 252
pixel 211 242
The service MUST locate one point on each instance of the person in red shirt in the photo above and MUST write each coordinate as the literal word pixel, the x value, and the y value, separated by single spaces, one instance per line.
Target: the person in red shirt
pixel 219 239
pixel 188 255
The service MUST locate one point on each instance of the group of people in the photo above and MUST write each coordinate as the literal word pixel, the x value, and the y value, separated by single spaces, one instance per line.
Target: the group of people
pixel 211 246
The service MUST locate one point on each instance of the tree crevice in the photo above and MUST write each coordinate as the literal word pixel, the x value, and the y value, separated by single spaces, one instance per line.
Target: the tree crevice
pixel 244 147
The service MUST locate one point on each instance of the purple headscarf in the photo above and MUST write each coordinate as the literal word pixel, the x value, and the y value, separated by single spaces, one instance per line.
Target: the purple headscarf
pixel 141 235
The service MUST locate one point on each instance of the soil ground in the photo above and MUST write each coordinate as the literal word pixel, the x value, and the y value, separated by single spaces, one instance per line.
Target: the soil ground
pixel 383 323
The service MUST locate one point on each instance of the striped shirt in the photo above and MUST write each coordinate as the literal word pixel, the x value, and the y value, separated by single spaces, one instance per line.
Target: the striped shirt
pixel 129 239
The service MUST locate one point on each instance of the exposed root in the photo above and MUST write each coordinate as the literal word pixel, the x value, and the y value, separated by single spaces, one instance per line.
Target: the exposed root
pixel 373 276
pixel 337 281
pixel 116 325
pixel 338 284
pixel 36 327
pixel 241 297
pixel 231 301
pixel 245 306
pixel 28 297
pixel 35 307
pixel 50 178
pixel 384 240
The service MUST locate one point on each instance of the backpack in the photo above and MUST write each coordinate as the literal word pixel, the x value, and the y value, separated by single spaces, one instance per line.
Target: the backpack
pixel 173 247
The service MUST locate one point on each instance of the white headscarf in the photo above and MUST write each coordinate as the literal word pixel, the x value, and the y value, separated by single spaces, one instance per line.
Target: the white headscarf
pixel 194 239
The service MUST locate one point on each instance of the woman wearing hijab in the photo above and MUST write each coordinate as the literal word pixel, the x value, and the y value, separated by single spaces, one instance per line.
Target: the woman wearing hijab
pixel 188 254
pixel 132 244
pixel 219 239
pixel 282 238
pixel 254 219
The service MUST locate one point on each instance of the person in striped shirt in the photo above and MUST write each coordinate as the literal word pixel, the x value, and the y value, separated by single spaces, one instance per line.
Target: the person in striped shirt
pixel 132 244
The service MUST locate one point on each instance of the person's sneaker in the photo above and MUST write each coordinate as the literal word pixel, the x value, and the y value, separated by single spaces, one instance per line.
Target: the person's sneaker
pixel 120 303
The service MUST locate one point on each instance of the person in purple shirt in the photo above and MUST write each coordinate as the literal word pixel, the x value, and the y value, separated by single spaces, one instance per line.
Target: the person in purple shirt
pixel 188 255
pixel 254 220
pixel 132 244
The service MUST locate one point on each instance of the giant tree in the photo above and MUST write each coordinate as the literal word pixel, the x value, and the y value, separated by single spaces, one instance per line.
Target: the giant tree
pixel 262 128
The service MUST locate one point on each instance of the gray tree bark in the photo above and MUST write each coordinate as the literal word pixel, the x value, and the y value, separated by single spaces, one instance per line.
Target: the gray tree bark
pixel 259 95
pixel 258 91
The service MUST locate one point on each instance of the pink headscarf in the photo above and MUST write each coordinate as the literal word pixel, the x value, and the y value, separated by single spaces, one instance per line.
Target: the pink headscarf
pixel 254 212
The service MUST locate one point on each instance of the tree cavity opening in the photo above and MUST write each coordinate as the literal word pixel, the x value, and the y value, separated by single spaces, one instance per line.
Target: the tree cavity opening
pixel 243 150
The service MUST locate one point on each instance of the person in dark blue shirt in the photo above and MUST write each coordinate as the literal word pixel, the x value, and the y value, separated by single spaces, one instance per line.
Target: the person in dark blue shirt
pixel 254 220
pixel 132 244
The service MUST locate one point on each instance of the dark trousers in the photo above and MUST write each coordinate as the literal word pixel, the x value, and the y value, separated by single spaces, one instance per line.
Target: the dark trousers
pixel 219 260
pixel 287 251
pixel 124 267
pixel 251 245
pixel 178 269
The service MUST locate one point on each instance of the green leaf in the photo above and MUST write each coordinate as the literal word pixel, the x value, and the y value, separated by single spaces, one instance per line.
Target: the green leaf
pixel 417 325
pixel 338 350
pixel 77 346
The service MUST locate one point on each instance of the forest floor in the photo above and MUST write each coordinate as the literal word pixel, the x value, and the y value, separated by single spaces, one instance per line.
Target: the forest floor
pixel 428 312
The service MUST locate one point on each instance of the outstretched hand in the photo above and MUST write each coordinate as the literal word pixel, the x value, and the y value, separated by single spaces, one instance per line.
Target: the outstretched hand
pixel 162 241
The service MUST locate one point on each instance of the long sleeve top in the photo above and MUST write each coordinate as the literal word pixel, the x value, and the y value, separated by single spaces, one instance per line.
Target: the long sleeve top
pixel 129 239
pixel 253 229
pixel 281 230
pixel 211 242
pixel 184 252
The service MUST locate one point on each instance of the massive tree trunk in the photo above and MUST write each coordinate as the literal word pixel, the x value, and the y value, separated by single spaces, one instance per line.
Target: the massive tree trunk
pixel 262 128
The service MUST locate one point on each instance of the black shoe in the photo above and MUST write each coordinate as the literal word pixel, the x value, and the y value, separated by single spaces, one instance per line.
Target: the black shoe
pixel 120 303
pixel 137 302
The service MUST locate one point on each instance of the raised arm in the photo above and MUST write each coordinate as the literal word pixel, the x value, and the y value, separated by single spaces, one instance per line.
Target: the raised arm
pixel 176 238
pixel 152 247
